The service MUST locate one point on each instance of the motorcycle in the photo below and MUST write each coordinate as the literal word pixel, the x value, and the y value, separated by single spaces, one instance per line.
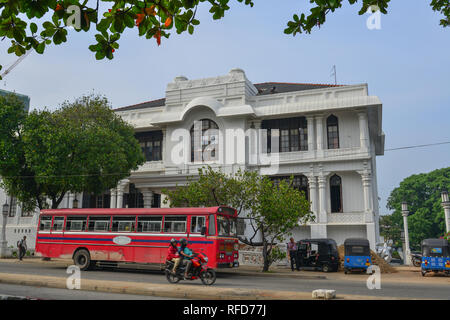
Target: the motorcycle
pixel 416 259
pixel 199 270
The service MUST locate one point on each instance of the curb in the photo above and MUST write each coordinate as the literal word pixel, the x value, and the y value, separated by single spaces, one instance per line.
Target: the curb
pixel 179 291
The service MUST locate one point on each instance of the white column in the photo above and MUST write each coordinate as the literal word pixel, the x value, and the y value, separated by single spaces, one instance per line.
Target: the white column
pixel 408 261
pixel 70 199
pixel 148 197
pixel 322 198
pixel 113 201
pixel 163 144
pixel 363 130
pixel 3 243
pixel 312 181
pixel 367 188
pixel 446 206
pixel 311 135
pixel 120 191
pixel 319 131
pixel 119 198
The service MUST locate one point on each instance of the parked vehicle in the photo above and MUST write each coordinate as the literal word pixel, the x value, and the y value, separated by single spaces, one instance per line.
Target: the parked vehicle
pixel 416 258
pixel 199 270
pixel 318 254
pixel 435 256
pixel 357 255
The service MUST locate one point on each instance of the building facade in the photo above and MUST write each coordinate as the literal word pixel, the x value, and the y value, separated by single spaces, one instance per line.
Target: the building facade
pixel 326 136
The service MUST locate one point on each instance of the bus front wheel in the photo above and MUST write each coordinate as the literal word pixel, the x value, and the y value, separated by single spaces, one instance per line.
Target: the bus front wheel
pixel 82 259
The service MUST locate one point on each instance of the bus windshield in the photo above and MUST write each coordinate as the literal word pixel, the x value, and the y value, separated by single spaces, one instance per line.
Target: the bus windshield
pixel 226 226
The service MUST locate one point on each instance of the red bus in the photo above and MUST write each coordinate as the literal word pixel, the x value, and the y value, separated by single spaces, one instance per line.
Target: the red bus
pixel 109 236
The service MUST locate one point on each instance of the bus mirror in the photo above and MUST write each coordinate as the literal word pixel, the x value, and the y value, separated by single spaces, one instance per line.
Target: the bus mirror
pixel 203 232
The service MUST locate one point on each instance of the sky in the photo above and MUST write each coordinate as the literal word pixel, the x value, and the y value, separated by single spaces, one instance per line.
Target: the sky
pixel 406 64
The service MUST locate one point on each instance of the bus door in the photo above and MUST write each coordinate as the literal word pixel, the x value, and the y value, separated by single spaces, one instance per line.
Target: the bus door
pixel 57 231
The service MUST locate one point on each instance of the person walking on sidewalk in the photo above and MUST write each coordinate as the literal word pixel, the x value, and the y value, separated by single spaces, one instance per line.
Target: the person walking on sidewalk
pixel 22 247
pixel 292 254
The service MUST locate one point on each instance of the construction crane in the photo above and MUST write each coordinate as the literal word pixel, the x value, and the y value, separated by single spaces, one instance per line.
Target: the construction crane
pixel 5 73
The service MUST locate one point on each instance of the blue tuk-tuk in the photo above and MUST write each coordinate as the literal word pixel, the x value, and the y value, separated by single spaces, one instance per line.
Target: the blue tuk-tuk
pixel 435 256
pixel 357 255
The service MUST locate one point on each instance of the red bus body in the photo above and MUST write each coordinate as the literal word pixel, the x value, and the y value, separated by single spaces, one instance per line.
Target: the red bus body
pixel 60 234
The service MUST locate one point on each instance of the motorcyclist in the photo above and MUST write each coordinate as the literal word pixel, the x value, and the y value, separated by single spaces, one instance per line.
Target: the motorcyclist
pixel 187 255
pixel 173 255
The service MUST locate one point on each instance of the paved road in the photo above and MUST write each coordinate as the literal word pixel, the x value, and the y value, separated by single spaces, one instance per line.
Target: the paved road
pixel 404 290
pixel 43 293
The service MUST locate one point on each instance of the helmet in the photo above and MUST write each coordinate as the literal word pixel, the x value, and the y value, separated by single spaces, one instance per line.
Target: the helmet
pixel 183 241
pixel 173 242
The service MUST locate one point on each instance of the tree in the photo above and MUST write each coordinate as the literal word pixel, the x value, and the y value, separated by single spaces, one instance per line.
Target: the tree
pixel 82 147
pixel 152 19
pixel 273 210
pixel 390 230
pixel 422 192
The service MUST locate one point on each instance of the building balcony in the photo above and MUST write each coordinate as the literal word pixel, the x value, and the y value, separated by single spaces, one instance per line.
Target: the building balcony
pixel 346 218
pixel 324 155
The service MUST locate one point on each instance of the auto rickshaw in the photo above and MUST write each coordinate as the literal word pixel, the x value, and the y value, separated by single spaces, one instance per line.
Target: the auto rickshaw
pixel 435 256
pixel 357 255
pixel 318 254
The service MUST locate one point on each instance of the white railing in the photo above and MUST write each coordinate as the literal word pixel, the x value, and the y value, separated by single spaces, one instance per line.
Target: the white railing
pixel 346 218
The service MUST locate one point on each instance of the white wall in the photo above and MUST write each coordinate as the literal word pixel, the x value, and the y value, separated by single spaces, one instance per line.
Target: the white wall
pixel 340 233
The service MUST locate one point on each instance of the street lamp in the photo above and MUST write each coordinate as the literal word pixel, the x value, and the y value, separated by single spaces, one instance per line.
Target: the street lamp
pixel 446 206
pixel 405 214
pixel 3 242
pixel 75 202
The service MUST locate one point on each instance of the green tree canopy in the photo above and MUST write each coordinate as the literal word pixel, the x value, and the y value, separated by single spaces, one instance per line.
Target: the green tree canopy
pixel 152 19
pixel 422 192
pixel 272 210
pixel 83 146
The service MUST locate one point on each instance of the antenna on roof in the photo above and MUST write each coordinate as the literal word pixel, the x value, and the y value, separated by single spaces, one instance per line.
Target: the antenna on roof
pixel 334 73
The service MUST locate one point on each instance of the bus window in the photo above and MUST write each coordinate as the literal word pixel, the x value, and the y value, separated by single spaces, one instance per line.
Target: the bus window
pixel 76 223
pixel 175 224
pixel 226 226
pixel 58 223
pixel 197 223
pixel 124 224
pixel 212 225
pixel 46 222
pixel 99 223
pixel 149 224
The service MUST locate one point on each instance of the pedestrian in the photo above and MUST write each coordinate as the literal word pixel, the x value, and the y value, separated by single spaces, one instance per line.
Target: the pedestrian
pixel 292 254
pixel 22 247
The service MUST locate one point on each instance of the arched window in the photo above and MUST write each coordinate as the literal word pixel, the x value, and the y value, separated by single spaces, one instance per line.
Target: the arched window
pixel 336 193
pixel 333 132
pixel 299 182
pixel 204 140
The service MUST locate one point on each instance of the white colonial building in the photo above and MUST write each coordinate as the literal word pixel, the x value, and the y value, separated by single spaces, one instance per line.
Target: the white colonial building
pixel 326 136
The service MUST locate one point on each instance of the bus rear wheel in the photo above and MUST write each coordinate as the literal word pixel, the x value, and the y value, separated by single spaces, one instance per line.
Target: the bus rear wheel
pixel 82 259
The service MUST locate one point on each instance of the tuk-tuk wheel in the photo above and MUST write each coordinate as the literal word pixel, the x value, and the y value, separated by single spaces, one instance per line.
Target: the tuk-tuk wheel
pixel 326 268
pixel 424 273
pixel 345 270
